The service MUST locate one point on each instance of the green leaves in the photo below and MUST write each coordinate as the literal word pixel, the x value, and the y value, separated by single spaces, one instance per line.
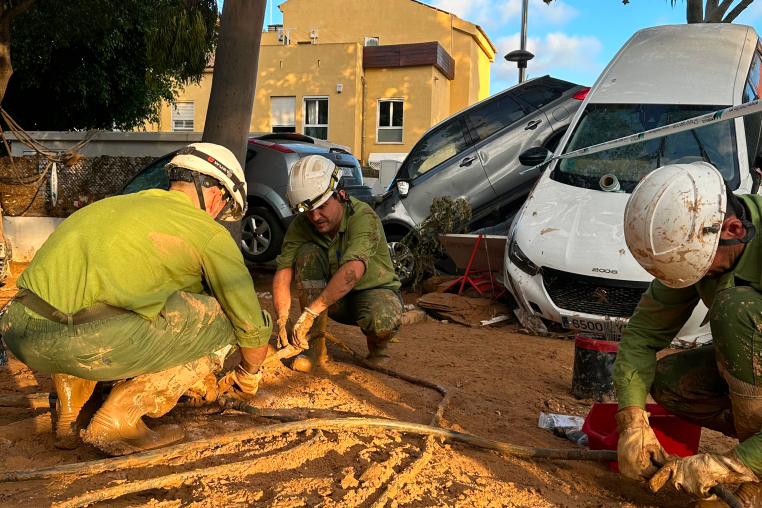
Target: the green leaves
pixel 80 64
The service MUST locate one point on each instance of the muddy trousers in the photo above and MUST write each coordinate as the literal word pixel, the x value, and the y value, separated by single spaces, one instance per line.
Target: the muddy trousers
pixel 720 386
pixel 377 311
pixel 162 358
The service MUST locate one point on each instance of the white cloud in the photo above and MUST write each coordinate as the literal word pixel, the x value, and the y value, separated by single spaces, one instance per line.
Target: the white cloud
pixel 555 51
pixel 495 13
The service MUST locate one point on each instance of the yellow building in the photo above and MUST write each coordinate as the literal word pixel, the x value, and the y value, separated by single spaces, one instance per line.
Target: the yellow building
pixel 370 75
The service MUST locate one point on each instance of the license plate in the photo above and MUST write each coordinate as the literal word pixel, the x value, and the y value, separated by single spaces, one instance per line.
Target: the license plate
pixel 610 329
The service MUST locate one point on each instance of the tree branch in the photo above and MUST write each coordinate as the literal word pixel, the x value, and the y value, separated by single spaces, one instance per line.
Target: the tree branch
pixel 736 11
pixel 15 10
pixel 716 14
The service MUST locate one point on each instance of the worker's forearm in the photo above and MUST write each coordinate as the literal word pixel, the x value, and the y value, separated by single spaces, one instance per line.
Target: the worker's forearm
pixel 282 291
pixel 340 284
pixel 252 358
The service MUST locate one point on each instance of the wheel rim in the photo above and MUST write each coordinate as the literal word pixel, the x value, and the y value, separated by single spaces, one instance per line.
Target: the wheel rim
pixel 256 235
pixel 402 259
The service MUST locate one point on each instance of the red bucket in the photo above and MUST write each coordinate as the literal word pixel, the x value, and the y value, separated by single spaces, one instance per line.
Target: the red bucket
pixel 676 436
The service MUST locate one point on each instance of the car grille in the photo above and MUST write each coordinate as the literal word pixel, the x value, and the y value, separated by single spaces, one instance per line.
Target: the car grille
pixel 592 295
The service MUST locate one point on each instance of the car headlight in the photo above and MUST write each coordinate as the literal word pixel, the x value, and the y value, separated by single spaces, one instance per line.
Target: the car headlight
pixel 521 260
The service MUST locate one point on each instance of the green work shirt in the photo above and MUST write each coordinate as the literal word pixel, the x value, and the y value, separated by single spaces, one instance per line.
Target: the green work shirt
pixel 360 238
pixel 134 251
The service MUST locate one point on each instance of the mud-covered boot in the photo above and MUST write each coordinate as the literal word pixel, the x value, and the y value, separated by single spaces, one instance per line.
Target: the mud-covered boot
pixel 377 349
pixel 312 358
pixel 74 409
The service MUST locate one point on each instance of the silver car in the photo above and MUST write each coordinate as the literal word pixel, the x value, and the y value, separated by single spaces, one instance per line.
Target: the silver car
pixel 474 155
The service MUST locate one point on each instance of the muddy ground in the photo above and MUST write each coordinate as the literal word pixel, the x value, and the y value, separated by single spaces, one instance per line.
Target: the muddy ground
pixel 499 379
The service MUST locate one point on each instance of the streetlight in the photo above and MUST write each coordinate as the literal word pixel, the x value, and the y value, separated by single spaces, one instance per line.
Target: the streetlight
pixel 522 56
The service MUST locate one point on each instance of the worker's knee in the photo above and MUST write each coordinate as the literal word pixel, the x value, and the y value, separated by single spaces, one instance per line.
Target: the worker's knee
pixel 379 312
pixel 311 263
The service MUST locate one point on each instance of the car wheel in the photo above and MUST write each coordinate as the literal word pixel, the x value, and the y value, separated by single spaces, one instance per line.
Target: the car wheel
pixel 404 266
pixel 262 235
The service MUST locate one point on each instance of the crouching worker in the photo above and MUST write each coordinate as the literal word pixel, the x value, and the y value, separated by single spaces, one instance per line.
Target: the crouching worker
pixel 145 288
pixel 336 249
pixel 685 226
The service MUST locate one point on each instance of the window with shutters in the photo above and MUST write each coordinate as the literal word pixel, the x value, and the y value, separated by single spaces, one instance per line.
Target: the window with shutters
pixel 390 117
pixel 316 117
pixel 182 117
pixel 283 114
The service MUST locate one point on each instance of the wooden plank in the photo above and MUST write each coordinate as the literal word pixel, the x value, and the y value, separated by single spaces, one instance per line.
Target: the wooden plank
pixel 410 55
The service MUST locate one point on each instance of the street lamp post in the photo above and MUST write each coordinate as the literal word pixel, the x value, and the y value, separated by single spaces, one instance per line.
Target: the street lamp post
pixel 522 56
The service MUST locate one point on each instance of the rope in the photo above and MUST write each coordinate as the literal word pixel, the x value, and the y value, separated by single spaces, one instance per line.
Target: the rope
pixel 61 157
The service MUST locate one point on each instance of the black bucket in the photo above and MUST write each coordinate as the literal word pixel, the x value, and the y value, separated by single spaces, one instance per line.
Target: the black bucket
pixel 593 367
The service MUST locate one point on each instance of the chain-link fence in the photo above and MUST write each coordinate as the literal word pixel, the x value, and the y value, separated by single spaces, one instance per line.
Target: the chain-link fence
pixel 23 192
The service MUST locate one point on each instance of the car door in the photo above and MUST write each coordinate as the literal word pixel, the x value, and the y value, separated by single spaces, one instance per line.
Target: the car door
pixel 503 129
pixel 444 163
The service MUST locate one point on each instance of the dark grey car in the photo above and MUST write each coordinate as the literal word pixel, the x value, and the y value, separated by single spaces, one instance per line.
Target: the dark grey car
pixel 269 159
pixel 474 155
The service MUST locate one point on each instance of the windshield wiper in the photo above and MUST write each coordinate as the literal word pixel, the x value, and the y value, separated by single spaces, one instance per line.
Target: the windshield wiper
pixel 660 151
pixel 704 155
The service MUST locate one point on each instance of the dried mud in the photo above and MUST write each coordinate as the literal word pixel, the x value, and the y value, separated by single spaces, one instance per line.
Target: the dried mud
pixel 499 382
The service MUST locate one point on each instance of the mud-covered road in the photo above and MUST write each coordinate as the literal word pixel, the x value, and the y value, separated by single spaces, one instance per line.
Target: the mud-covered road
pixel 499 381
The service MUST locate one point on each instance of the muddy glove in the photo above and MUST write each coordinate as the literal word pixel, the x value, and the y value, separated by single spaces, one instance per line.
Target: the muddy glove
pixel 282 331
pixel 639 453
pixel 203 392
pixel 302 326
pixel 699 473
pixel 240 384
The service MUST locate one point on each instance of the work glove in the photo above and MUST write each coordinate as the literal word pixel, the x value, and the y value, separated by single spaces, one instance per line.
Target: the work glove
pixel 639 453
pixel 282 331
pixel 239 383
pixel 302 326
pixel 203 392
pixel 697 474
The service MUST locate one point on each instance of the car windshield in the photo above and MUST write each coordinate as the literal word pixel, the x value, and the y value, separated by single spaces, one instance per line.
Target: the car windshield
pixel 604 122
pixel 152 177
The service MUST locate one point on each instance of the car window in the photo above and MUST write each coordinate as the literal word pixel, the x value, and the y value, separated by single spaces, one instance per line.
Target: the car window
pixel 630 163
pixel 439 146
pixel 542 91
pixel 492 117
pixel 153 176
pixel 753 123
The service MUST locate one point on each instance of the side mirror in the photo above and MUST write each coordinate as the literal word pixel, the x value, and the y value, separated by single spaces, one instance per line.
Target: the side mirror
pixel 403 187
pixel 535 156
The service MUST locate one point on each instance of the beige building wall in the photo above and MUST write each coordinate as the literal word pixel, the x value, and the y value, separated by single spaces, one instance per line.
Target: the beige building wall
pixel 313 70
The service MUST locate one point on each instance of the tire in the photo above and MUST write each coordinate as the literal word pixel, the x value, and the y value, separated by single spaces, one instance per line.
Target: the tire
pixel 406 269
pixel 262 235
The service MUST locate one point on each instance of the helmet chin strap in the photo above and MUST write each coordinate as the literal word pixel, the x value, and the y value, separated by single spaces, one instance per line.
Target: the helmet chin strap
pixel 740 209
pixel 199 190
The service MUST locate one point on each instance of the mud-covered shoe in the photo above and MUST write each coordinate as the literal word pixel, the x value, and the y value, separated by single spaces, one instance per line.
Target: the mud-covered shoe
pixel 75 406
pixel 377 351
pixel 312 358
pixel 112 432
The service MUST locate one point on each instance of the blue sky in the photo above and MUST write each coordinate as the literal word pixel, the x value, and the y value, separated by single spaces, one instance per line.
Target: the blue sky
pixel 572 39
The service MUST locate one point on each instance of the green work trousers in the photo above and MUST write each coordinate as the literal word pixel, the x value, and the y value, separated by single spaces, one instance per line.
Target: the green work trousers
pixel 189 327
pixel 377 311
pixel 720 386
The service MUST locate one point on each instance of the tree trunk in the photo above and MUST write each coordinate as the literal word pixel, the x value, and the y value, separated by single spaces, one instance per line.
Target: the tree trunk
pixel 695 11
pixel 235 80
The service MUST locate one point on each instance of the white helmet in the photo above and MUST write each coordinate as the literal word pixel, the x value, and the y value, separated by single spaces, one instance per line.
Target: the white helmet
pixel 673 220
pixel 220 164
pixel 312 181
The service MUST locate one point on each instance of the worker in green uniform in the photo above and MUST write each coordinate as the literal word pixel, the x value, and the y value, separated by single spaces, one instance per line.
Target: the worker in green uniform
pixel 336 250
pixel 685 227
pixel 146 288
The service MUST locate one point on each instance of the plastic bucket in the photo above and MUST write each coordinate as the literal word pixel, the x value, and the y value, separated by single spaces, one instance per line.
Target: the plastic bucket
pixel 677 436
pixel 593 365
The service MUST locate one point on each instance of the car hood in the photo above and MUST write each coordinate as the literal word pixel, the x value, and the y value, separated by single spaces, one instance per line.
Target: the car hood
pixel 577 230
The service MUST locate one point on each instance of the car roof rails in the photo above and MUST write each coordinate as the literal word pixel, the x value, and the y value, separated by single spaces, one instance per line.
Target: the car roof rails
pixel 291 136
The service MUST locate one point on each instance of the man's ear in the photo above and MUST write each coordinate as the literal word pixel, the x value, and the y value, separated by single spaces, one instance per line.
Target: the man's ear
pixel 733 228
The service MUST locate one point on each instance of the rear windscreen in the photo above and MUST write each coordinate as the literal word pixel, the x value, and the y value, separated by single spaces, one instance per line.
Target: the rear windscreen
pixel 542 91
